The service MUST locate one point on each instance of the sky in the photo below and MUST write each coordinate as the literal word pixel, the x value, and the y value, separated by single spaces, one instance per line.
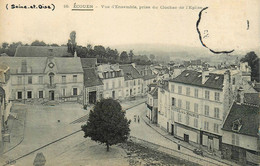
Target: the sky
pixel 226 23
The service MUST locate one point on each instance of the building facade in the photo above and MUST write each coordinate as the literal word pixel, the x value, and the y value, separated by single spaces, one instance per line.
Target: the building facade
pixel 240 141
pixel 41 79
pixel 113 80
pixel 194 106
pixel 152 105
pixel 5 103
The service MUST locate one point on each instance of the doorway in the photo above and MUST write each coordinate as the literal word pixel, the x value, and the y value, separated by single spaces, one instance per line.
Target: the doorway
pixel 51 94
pixel 92 97
pixel 186 138
pixel 113 94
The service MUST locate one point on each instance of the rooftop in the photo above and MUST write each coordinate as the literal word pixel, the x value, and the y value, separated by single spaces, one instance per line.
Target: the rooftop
pixel 91 78
pixel 154 93
pixel 88 62
pixel 130 72
pixel 38 64
pixel 247 116
pixel 41 51
pixel 190 77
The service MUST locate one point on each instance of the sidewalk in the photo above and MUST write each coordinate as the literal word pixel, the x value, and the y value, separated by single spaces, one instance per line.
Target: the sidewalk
pixel 182 143
pixel 16 127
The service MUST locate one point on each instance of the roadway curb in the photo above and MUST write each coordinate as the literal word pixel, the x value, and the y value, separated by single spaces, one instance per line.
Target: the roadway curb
pixel 181 145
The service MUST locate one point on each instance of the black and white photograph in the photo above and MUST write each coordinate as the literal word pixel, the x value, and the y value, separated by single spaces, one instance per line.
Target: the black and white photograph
pixel 129 83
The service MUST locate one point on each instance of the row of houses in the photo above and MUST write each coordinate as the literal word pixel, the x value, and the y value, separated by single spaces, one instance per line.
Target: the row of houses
pixel 42 74
pixel 215 110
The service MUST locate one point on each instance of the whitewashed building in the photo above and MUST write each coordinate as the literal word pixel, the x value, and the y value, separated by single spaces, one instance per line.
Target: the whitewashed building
pixel 45 78
pixel 193 106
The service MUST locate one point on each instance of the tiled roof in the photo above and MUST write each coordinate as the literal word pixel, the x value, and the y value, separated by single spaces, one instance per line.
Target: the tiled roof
pixel 88 62
pixel 91 78
pixel 41 51
pixel 248 116
pixel 252 98
pixel 148 77
pixel 130 72
pixel 214 81
pixel 38 64
pixel 154 93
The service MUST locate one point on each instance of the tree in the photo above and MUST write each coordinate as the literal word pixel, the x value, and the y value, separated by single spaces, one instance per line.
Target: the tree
pixel 107 124
pixel 152 57
pixel 5 45
pixel 38 43
pixel 72 42
pixel 253 61
pixel 131 55
pixel 123 56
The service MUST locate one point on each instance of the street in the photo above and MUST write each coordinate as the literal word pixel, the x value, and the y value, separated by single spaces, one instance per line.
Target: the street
pixel 42 127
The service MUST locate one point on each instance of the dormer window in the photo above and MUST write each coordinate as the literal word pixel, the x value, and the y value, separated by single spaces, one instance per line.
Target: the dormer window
pixel 237 125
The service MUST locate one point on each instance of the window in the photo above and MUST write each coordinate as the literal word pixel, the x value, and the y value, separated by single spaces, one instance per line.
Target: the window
pixel 196 107
pixel 173 101
pixel 234 81
pixel 180 89
pixel 40 94
pixel 75 91
pixel 206 94
pixel 196 93
pixel 206 112
pixel 216 112
pixel 19 80
pixel 235 139
pixel 139 89
pixel 187 91
pixel 179 103
pixel 195 122
pixel 215 128
pixel 63 92
pixel 29 94
pixel 187 105
pixel 172 88
pixel 187 120
pixel 126 84
pixel 179 117
pixel 134 82
pixel 29 79
pixel 113 84
pixel 139 82
pixel 75 78
pixel 206 125
pixel 19 95
pixel 217 96
pixel 63 79
pixel 40 79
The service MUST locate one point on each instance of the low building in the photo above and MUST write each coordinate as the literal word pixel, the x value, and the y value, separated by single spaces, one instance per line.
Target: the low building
pixel 132 81
pixel 152 105
pixel 148 77
pixel 93 86
pixel 41 79
pixel 240 141
pixel 113 80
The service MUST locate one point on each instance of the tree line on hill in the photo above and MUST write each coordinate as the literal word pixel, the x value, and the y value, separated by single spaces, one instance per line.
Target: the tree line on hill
pixel 104 55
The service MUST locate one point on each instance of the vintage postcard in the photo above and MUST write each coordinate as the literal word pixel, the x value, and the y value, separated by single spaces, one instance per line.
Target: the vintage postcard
pixel 129 82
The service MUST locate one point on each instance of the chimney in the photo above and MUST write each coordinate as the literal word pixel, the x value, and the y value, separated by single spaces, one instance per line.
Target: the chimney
pixel 240 97
pixel 227 78
pixel 205 76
